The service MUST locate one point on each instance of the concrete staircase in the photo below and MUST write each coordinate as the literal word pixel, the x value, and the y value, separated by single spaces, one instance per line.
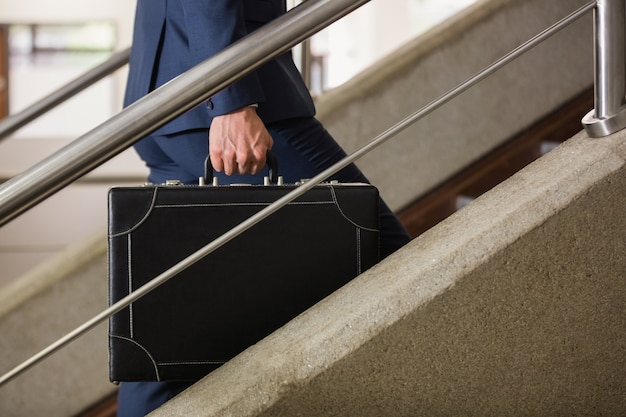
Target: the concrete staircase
pixel 513 305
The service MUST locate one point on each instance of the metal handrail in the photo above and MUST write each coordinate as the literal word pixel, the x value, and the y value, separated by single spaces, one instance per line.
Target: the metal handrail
pixel 16 121
pixel 278 204
pixel 164 104
pixel 609 114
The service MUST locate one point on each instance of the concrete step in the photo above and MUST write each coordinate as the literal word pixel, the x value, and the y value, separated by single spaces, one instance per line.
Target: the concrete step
pixel 513 305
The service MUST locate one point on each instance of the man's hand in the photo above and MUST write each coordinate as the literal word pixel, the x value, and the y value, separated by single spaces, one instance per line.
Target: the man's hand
pixel 238 142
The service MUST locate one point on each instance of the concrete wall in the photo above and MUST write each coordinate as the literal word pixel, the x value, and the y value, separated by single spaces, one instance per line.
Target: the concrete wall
pixel 479 120
pixel 77 212
pixel 38 309
pixel 513 306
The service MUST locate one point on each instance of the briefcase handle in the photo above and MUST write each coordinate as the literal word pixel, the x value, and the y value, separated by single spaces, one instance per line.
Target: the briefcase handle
pixel 270 161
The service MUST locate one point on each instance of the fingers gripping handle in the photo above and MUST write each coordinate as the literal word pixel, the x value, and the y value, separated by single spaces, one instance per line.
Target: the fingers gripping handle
pixel 270 161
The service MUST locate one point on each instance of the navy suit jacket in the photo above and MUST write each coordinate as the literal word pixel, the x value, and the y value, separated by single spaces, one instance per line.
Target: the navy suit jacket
pixel 171 36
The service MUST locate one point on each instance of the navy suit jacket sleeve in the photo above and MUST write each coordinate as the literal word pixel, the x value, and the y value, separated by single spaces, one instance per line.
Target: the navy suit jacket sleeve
pixel 213 26
pixel 172 36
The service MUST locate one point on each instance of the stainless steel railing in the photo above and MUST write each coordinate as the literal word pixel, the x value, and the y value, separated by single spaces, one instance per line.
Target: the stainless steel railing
pixel 181 94
pixel 225 68
pixel 609 115
pixel 21 119
pixel 147 114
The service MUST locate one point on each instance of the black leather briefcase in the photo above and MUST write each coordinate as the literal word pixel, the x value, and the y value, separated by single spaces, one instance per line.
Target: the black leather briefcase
pixel 237 294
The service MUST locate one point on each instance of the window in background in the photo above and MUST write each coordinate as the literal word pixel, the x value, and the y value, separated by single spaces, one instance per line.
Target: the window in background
pixel 43 58
pixel 364 36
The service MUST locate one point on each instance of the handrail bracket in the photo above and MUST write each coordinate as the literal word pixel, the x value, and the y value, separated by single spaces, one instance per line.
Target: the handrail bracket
pixel 609 115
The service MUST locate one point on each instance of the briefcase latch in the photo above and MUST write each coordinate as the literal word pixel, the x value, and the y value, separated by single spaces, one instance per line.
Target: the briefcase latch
pixel 202 181
pixel 268 181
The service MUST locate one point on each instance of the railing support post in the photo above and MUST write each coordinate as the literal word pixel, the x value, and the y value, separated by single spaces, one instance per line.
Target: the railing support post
pixel 609 115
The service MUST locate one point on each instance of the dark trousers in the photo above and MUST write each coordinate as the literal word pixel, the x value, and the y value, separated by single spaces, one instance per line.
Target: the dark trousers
pixel 303 149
